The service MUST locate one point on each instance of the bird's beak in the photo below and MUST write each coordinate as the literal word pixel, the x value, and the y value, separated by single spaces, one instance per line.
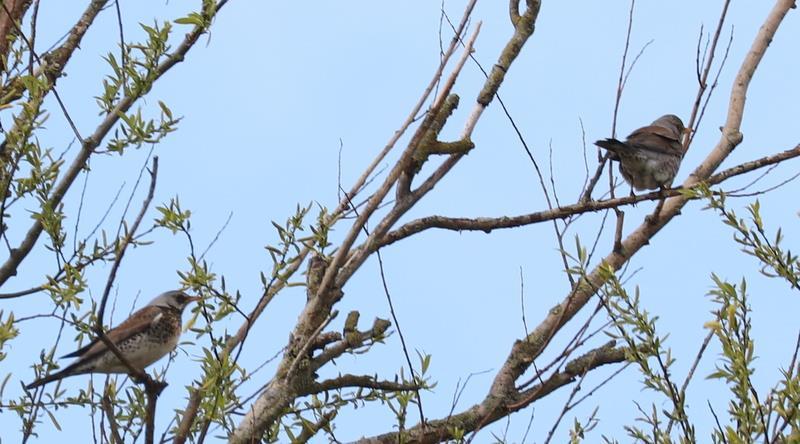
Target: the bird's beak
pixel 190 299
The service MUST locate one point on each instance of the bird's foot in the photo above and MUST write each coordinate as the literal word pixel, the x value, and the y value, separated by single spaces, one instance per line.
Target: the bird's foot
pixel 150 384
pixel 142 379
pixel 158 386
pixel 154 386
pixel 632 195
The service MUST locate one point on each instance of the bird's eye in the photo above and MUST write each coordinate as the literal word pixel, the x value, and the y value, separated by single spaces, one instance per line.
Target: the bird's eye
pixel 181 298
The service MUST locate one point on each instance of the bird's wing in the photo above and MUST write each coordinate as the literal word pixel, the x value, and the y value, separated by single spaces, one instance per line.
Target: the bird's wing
pixel 656 139
pixel 137 323
pixel 81 350
pixel 656 130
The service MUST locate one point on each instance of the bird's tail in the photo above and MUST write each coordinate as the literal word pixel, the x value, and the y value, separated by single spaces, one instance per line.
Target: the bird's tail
pixel 42 381
pixel 612 145
pixel 69 371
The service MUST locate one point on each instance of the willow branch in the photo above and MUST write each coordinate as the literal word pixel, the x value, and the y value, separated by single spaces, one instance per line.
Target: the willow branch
pixel 89 144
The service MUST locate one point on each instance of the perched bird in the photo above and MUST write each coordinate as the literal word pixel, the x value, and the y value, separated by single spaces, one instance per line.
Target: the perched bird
pixel 144 338
pixel 650 157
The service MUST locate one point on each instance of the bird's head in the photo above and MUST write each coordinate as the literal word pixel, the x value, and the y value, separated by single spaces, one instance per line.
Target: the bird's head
pixel 175 299
pixel 672 123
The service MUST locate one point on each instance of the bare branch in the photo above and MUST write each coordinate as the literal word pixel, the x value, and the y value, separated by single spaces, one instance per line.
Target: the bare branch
pixel 121 247
pixel 694 121
pixel 487 224
pixel 587 193
pixel 523 31
pixel 367 382
pixel 337 271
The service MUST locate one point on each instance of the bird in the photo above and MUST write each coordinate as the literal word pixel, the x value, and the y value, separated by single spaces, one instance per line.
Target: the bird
pixel 144 338
pixel 650 156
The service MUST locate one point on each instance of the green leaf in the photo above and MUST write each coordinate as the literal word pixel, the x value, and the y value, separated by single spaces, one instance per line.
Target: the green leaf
pixel 193 19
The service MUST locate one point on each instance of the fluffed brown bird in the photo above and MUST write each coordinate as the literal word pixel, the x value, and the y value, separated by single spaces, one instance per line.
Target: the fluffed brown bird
pixel 651 156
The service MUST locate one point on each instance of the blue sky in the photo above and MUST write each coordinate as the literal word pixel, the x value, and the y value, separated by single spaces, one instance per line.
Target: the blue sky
pixel 270 96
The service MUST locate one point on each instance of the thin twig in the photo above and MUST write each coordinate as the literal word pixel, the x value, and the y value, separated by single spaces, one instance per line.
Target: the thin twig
pixel 122 55
pixel 108 409
pixel 575 389
pixel 716 420
pixel 522 300
pixel 216 236
pixel 126 240
pixel 777 431
pixel 690 375
pixel 702 85
pixel 34 17
pixel 587 193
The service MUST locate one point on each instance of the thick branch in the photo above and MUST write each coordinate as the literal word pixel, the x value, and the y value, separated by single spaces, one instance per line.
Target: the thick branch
pixel 480 414
pixel 54 62
pixel 367 382
pixel 17 9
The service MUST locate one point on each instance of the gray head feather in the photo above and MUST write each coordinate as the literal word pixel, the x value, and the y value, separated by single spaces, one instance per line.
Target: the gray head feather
pixel 171 299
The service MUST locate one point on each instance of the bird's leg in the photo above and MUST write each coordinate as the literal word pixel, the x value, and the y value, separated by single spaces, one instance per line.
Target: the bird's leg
pixel 137 380
pixel 142 378
pixel 632 195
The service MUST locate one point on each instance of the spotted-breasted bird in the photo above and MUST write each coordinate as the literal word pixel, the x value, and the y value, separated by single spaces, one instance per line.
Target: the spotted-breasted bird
pixel 650 157
pixel 144 338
